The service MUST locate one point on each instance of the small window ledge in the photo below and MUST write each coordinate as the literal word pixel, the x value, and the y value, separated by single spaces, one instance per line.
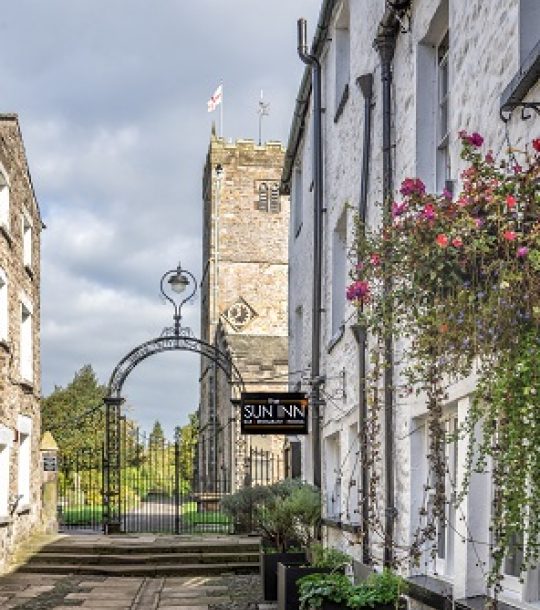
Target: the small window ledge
pixel 342 103
pixel 27 385
pixel 338 335
pixel 5 346
pixel 23 510
pixel 6 233
pixel 5 520
pixel 526 77
pixel 351 528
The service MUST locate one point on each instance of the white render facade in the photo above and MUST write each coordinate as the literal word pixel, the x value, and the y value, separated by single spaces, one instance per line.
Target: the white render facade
pixel 455 63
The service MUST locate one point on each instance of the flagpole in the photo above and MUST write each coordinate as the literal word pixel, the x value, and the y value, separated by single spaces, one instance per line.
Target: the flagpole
pixel 221 112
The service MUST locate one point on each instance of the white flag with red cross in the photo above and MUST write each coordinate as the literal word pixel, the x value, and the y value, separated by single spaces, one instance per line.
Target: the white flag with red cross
pixel 216 99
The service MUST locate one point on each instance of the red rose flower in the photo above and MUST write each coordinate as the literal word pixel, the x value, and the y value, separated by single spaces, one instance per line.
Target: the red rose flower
pixel 536 144
pixel 457 242
pixel 511 201
pixel 442 240
pixel 509 235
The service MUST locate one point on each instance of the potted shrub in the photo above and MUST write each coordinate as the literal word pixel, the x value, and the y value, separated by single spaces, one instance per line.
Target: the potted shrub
pixel 380 591
pixel 324 561
pixel 280 515
pixel 286 522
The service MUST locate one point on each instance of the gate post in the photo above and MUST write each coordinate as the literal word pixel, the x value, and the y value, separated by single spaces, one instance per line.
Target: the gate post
pixel 176 484
pixel 111 470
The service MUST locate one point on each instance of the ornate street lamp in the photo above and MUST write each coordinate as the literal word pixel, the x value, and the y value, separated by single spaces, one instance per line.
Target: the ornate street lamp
pixel 179 281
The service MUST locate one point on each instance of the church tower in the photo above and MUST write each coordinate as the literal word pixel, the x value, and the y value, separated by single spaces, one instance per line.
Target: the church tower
pixel 244 298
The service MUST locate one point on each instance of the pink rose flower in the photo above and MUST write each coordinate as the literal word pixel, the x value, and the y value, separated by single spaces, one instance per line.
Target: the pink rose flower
pixel 522 252
pixel 399 208
pixel 509 235
pixel 412 186
pixel 358 291
pixel 457 242
pixel 429 213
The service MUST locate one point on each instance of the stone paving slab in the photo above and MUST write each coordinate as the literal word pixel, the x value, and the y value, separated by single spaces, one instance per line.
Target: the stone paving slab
pixel 29 592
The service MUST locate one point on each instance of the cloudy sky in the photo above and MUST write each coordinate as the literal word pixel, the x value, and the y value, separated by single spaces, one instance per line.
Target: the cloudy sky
pixel 112 97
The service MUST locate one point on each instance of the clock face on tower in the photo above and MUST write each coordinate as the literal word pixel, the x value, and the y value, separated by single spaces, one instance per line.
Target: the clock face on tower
pixel 239 314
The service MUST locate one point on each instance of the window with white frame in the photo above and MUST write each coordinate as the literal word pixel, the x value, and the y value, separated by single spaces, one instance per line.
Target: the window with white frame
pixel 440 557
pixel 333 477
pixel 352 481
pixel 24 429
pixel 27 240
pixel 4 199
pixel 26 347
pixel 443 91
pixel 4 307
pixel 339 273
pixel 6 437
pixel 446 526
pixel 433 102
pixel 516 583
pixel 529 27
pixel 343 54
pixel 298 203
pixel 298 337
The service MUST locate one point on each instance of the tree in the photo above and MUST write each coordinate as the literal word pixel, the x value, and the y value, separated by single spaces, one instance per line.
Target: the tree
pixel 74 414
pixel 157 437
pixel 187 436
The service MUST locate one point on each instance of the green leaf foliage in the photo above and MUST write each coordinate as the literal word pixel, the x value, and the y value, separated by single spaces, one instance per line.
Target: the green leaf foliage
pixel 74 414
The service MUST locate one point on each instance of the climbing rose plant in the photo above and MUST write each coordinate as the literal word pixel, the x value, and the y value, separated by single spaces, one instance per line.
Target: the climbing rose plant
pixel 456 281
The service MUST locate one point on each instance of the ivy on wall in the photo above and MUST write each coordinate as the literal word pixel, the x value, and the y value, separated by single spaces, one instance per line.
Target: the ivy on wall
pixel 456 281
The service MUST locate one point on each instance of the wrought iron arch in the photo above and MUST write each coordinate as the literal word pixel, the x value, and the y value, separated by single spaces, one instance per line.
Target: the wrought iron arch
pixel 174 339
pixel 166 343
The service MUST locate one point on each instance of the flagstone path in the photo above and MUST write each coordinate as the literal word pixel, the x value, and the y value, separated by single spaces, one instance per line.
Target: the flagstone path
pixel 50 592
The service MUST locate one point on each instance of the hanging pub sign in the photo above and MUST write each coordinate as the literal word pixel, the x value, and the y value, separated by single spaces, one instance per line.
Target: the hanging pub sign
pixel 274 413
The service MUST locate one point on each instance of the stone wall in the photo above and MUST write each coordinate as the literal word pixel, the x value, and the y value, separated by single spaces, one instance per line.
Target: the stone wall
pixel 483 59
pixel 18 396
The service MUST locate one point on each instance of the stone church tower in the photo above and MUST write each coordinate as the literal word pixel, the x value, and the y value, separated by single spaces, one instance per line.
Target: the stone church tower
pixel 244 302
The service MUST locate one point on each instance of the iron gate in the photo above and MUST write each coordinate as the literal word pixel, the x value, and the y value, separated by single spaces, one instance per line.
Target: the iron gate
pixel 160 492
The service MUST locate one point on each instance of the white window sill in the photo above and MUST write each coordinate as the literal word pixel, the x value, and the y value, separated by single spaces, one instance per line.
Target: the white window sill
pixel 23 510
pixel 26 383
pixel 338 335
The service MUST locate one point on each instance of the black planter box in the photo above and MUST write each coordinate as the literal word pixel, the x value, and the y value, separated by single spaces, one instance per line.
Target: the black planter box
pixel 269 564
pixel 287 576
pixel 335 606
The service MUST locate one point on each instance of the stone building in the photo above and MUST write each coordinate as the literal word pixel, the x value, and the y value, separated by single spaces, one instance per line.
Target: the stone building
pixel 454 64
pixel 20 382
pixel 243 300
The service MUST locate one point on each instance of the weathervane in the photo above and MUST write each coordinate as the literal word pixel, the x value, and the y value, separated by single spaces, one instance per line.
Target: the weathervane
pixel 262 110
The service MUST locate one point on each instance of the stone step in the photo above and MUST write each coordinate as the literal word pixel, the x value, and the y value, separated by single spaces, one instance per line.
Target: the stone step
pixel 149 570
pixel 72 558
pixel 138 548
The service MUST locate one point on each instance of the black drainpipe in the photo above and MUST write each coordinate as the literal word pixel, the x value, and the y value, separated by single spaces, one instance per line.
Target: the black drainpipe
pixel 365 82
pixel 312 61
pixel 385 43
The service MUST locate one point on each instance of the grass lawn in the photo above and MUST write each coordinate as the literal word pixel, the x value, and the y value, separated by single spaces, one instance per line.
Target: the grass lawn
pixel 81 515
pixel 211 516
